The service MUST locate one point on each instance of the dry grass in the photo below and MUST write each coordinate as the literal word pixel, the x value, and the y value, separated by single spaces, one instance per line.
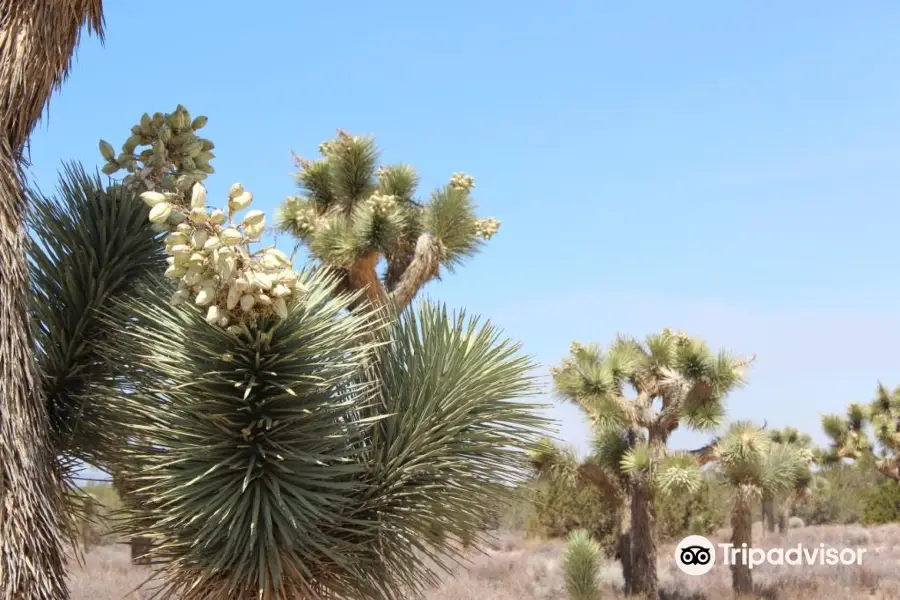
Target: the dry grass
pixel 518 569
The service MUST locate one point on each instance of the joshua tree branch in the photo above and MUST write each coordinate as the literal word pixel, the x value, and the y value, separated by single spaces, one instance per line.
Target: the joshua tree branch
pixel 425 266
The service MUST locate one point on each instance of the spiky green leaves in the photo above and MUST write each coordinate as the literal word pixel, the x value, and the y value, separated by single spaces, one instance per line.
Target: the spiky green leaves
pixel 302 458
pixel 682 373
pixel 352 213
pixel 751 463
pixel 581 566
pixel 90 245
pixel 849 434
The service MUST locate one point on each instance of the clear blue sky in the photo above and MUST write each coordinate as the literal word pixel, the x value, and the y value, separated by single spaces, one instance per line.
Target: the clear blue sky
pixel 728 168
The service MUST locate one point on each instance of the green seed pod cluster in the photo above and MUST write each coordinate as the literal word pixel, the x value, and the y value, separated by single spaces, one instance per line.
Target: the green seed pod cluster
pixel 486 228
pixel 173 158
pixel 210 257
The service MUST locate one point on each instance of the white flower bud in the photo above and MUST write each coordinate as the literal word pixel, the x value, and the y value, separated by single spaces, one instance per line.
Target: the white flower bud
pixel 151 199
pixel 242 284
pixel 211 244
pixel 223 320
pixel 226 266
pixel 193 276
pixel 235 330
pixel 158 227
pixel 198 215
pixel 234 296
pixel 160 212
pixel 254 218
pixel 174 272
pixel 247 302
pixel 280 290
pixel 196 260
pixel 198 196
pixel 253 232
pixel 287 277
pixel 263 280
pixel 198 240
pixel 175 238
pixel 206 295
pixel 280 307
pixel 170 260
pixel 217 217
pixel 263 299
pixel 235 190
pixel 240 202
pixel 185 228
pixel 230 237
pixel 212 315
pixel 273 258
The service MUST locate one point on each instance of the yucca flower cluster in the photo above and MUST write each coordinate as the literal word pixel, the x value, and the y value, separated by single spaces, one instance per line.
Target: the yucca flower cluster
pixel 210 257
pixel 209 252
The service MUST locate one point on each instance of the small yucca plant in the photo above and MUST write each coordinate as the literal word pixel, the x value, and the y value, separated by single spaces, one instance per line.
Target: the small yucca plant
pixel 581 567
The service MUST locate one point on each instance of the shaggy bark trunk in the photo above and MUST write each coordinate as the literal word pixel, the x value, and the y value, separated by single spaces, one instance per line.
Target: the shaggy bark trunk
pixel 424 267
pixel 32 565
pixel 768 513
pixel 643 541
pixel 624 544
pixel 741 533
pixel 787 510
pixel 364 276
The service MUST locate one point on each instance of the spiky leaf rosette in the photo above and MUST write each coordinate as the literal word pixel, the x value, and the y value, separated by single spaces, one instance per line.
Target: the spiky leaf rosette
pixel 90 244
pixel 305 459
pixel 456 437
pixel 751 464
pixel 353 214
pixel 581 567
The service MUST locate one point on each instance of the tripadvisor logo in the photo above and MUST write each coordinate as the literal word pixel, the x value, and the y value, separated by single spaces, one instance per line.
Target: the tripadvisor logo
pixel 696 555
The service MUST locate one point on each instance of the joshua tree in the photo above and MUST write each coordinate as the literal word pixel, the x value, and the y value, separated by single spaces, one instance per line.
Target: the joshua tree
pixel 677 379
pixel 752 465
pixel 287 440
pixel 602 470
pixel 581 567
pixel 37 41
pixel 792 436
pixel 849 437
pixel 354 215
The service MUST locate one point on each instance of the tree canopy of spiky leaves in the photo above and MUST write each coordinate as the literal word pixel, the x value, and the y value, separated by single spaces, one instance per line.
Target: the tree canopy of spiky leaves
pixel 355 215
pixel 305 458
pixel 676 379
pixel 752 464
pixel 802 442
pixel 581 566
pixel 849 434
pixel 90 244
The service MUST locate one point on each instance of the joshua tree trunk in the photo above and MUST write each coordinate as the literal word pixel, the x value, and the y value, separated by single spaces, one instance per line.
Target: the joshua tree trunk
pixel 31 544
pixel 37 41
pixel 741 533
pixel 643 541
pixel 624 543
pixel 787 510
pixel 768 513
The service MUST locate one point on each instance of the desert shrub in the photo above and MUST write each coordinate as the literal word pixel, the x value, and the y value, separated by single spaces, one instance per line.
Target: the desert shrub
pixel 840 499
pixel 561 506
pixel 882 504
pixel 701 512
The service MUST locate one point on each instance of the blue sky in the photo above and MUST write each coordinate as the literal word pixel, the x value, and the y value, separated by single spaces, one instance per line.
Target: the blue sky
pixel 728 168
